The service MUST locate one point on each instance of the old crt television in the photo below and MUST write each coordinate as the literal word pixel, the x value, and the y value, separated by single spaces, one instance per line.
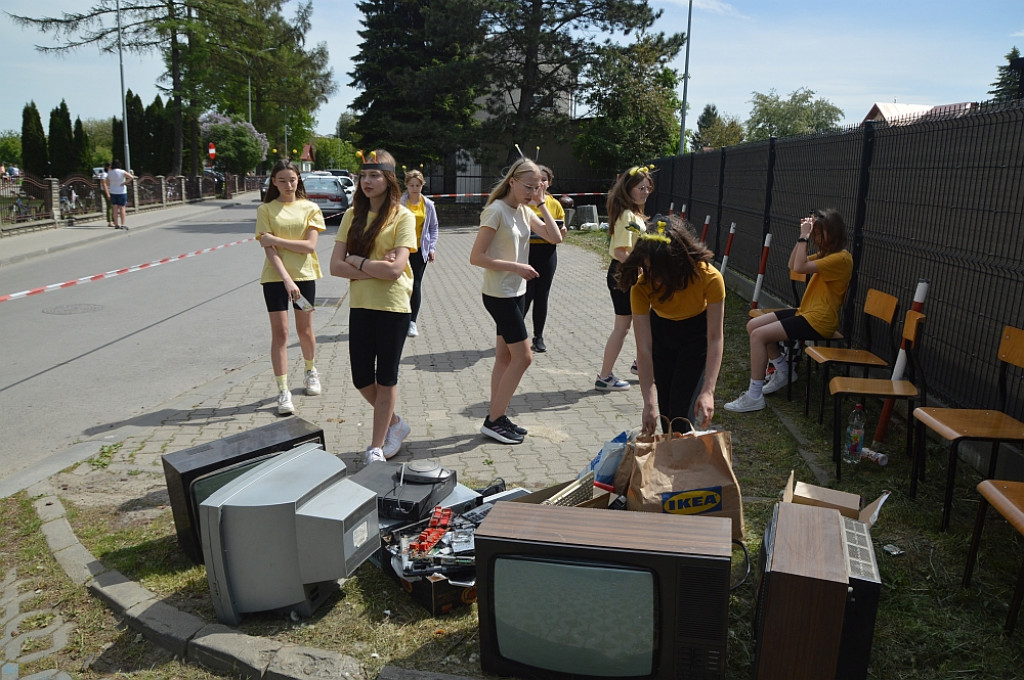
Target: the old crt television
pixel 281 535
pixel 193 474
pixel 566 592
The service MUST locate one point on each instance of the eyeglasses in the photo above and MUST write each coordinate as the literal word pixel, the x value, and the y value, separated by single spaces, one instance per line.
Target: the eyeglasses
pixel 529 188
pixel 646 188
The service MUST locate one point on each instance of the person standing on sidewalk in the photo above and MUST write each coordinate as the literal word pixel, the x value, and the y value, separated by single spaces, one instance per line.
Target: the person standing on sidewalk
pixel 287 226
pixel 678 302
pixel 116 185
pixel 625 207
pixel 423 210
pixel 501 249
pixel 105 196
pixel 372 250
pixel 817 318
pixel 544 259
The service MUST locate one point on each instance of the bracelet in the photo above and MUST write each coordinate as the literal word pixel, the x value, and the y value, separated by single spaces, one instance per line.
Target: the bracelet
pixel 803 239
pixel 361 264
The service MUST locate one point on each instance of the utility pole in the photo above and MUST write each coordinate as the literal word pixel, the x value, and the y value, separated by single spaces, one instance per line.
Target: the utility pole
pixel 686 81
pixel 124 104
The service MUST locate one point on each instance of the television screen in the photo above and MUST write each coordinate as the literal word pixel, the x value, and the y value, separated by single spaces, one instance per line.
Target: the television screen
pixel 579 630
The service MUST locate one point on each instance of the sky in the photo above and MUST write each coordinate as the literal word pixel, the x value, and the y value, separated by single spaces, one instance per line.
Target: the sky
pixel 852 54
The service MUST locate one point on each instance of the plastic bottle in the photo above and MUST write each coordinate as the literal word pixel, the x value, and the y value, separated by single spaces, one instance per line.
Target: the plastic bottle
pixel 874 456
pixel 854 436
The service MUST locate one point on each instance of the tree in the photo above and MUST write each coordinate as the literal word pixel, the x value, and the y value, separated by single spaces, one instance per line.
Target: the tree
pixel 715 131
pixel 635 112
pixel 10 147
pixel 59 142
pixel 239 146
pixel 419 70
pixel 332 152
pixel 539 54
pixel 1007 85
pixel 801 114
pixel 345 127
pixel 34 155
pixel 708 118
pixel 81 155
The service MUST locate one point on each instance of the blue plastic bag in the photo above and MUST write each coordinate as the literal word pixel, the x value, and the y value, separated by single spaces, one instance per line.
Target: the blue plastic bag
pixel 607 461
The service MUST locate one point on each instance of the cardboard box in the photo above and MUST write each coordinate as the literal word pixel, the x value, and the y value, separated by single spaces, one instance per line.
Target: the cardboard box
pixel 848 504
pixel 600 499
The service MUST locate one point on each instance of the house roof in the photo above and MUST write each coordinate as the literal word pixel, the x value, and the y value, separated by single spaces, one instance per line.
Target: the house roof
pixel 910 113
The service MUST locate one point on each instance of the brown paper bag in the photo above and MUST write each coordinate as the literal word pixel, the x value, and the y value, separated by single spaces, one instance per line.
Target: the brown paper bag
pixel 686 474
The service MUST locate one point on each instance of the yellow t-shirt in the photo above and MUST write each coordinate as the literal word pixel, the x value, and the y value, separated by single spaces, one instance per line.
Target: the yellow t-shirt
pixel 624 238
pixel 380 294
pixel 290 221
pixel 557 213
pixel 419 211
pixel 686 303
pixel 826 291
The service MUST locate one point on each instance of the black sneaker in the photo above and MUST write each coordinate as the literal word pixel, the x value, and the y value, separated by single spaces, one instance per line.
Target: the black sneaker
pixel 538 345
pixel 517 428
pixel 501 430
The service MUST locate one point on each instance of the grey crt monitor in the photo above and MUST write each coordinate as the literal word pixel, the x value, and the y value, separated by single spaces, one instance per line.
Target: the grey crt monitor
pixel 281 535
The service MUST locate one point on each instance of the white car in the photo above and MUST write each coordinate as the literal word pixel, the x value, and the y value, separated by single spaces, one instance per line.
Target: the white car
pixel 350 187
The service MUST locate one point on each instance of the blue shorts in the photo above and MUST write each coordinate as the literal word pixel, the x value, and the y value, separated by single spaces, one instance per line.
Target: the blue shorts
pixel 118 199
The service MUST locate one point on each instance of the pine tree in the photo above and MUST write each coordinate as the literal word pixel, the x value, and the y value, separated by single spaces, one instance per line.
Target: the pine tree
pixel 708 117
pixel 1007 85
pixel 34 155
pixel 61 142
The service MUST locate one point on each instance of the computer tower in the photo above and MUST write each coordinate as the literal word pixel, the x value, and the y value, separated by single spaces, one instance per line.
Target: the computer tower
pixel 861 602
pixel 801 596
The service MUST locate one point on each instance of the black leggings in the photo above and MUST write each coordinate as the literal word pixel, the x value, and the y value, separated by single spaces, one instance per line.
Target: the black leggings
pixel 678 352
pixel 544 259
pixel 419 268
pixel 375 342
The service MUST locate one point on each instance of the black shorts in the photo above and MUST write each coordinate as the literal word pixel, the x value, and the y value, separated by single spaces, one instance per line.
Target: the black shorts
pixel 796 327
pixel 509 315
pixel 620 299
pixel 276 297
pixel 119 199
pixel 375 342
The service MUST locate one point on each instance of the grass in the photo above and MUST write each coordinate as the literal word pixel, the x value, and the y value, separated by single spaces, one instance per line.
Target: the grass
pixel 928 627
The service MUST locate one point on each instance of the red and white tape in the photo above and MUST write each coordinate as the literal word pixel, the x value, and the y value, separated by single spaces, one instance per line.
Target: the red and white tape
pixel 116 272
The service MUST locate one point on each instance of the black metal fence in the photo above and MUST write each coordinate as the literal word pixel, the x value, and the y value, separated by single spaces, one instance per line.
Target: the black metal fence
pixel 939 198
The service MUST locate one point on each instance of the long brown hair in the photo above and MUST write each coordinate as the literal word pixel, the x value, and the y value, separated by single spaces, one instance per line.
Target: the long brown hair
pixel 829 232
pixel 273 192
pixel 619 200
pixel 361 236
pixel 668 258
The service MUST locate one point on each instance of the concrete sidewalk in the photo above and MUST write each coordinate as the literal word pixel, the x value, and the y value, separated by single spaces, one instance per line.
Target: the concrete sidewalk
pixel 443 393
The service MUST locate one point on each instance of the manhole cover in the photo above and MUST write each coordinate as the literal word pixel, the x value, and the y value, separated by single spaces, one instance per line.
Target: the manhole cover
pixel 73 309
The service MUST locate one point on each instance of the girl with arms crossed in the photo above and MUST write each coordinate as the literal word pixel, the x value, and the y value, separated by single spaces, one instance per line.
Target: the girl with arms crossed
pixel 502 250
pixel 287 226
pixel 372 249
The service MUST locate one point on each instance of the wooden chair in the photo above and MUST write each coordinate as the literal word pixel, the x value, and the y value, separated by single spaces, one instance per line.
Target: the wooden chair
pixel 1008 499
pixel 877 305
pixel 882 388
pixel 956 425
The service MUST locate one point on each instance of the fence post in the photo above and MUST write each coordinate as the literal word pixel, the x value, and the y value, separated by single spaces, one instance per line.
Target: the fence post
pixel 163 190
pixel 769 186
pixel 52 202
pixel 719 201
pixel 860 216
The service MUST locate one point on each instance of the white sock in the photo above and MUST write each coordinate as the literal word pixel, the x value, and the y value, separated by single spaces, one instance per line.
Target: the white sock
pixel 755 389
pixel 781 364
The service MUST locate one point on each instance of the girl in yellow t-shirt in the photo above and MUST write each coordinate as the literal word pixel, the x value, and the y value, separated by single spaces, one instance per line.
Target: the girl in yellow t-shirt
pixel 678 302
pixel 817 318
pixel 544 259
pixel 372 251
pixel 626 221
pixel 287 226
pixel 423 210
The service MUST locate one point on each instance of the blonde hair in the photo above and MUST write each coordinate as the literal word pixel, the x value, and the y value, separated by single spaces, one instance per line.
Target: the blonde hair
pixel 518 169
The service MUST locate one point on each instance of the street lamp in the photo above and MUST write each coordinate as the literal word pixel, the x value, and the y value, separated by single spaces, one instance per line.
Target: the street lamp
pixel 686 81
pixel 248 75
pixel 124 103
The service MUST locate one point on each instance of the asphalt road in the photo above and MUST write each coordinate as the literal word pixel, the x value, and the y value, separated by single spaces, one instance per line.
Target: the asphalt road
pixel 82 363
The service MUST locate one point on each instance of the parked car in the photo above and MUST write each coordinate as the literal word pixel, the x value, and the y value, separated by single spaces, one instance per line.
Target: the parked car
pixel 328 193
pixel 339 172
pixel 217 177
pixel 264 187
pixel 350 187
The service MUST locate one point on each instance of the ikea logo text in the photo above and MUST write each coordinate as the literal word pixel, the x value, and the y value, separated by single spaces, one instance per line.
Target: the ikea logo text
pixel 692 502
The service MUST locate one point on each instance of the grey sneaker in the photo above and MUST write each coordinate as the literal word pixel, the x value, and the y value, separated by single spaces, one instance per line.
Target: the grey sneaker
pixel 284 403
pixel 395 436
pixel 779 380
pixel 373 455
pixel 610 384
pixel 745 404
pixel 312 382
pixel 413 331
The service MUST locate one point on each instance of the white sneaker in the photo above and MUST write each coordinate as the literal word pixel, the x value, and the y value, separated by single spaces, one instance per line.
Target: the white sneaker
pixel 745 404
pixel 395 436
pixel 284 403
pixel 413 332
pixel 312 382
pixel 633 369
pixel 779 380
pixel 373 455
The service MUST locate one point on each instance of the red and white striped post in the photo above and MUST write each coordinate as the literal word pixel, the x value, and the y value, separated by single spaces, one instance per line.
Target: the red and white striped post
pixel 682 213
pixel 728 246
pixel 900 366
pixel 704 233
pixel 760 270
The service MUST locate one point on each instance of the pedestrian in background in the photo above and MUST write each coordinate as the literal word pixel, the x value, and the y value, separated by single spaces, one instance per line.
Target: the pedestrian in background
pixel 287 226
pixel 116 185
pixel 105 195
pixel 502 249
pixel 678 302
pixel 372 250
pixel 626 203
pixel 423 210
pixel 544 259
